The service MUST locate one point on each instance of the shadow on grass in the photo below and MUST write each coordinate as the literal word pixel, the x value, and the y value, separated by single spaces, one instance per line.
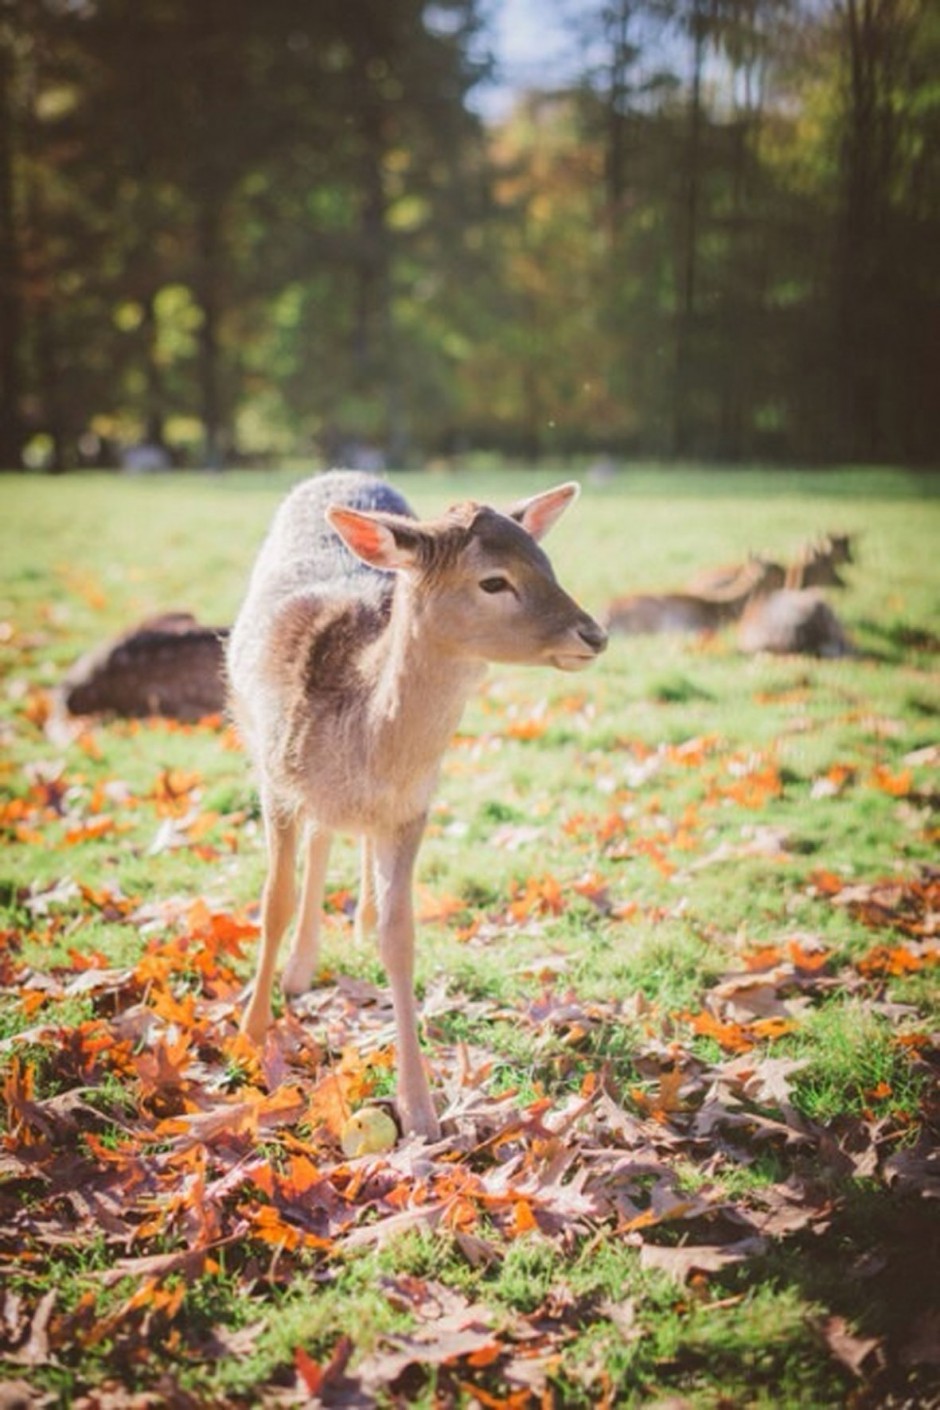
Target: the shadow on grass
pixel 875 1266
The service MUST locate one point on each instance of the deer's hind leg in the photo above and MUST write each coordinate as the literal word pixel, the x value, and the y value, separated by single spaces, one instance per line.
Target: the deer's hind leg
pixel 366 912
pixel 305 951
pixel 277 906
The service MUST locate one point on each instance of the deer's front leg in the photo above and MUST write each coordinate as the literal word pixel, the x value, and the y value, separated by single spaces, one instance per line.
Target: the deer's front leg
pixel 394 857
pixel 305 951
pixel 277 907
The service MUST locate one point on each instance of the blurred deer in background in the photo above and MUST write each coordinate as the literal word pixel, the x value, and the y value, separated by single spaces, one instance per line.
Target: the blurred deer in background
pixel 817 564
pixel 692 612
pixel 797 619
pixel 361 637
pixel 730 577
pixel 793 621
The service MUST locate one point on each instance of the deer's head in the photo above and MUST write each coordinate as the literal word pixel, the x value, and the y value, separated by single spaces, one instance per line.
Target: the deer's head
pixel 477 581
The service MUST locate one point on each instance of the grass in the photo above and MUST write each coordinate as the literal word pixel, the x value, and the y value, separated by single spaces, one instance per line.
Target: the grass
pixel 682 798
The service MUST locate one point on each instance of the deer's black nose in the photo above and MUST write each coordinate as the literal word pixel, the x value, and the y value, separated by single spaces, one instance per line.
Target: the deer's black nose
pixel 593 636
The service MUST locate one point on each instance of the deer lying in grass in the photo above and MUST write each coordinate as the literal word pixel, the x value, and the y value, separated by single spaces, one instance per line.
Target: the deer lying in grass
pixel 730 577
pixel 793 621
pixel 361 637
pixel 691 612
pixel 168 665
pixel 797 619
pixel 817 564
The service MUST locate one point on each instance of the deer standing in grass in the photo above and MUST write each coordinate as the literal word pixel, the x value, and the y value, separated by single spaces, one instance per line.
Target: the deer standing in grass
pixel 362 634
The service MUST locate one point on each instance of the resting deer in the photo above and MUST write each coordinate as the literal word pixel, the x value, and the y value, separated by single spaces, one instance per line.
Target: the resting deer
pixel 361 637
pixel 711 582
pixel 793 621
pixel 817 564
pixel 168 665
pixel 689 612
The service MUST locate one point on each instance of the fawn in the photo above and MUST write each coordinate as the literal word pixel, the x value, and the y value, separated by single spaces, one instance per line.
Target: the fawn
pixel 362 635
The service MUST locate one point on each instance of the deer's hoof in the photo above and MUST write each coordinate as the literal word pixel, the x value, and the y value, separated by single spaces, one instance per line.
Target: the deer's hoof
pixel 255 1025
pixel 298 976
pixel 420 1123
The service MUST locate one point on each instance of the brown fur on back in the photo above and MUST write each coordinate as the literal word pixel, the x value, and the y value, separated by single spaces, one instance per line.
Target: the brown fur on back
pixel 690 612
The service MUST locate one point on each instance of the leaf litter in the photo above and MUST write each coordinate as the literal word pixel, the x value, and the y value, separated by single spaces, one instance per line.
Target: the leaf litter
pixel 175 1147
pixel 150 1132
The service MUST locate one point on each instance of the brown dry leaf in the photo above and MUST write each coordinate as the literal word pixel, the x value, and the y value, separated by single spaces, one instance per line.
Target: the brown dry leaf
pixel 427 1216
pixel 916 1170
pixel 764 1081
pixel 851 1350
pixel 450 1339
pixel 35 1352
pixel 747 996
pixel 18 1395
pixel 681 1262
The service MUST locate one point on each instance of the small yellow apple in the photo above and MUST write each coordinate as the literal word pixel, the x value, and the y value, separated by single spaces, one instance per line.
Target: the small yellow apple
pixel 369 1131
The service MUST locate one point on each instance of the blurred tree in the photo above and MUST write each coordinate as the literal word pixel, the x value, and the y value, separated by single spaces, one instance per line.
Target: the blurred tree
pixel 244 227
pixel 11 313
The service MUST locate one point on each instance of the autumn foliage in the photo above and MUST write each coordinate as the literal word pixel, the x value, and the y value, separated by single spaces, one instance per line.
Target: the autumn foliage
pixel 680 1017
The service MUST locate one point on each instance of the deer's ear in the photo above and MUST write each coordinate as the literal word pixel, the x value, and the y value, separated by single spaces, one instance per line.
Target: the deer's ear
pixel 538 514
pixel 381 540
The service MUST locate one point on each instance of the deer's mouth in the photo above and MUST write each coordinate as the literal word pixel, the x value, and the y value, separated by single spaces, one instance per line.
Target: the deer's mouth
pixel 582 646
pixel 572 660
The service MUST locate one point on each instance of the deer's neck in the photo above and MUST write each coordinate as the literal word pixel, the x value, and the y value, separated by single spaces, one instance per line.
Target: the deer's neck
pixel 420 690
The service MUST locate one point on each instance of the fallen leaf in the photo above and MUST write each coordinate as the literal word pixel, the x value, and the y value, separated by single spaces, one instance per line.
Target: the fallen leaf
pixel 851 1350
pixel 681 1262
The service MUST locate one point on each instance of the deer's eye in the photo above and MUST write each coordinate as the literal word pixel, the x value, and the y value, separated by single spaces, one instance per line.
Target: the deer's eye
pixel 496 584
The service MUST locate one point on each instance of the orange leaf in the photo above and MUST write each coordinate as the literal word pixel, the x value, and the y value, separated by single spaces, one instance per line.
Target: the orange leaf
pixel 808 960
pixel 894 960
pixel 514 1400
pixel 771 1028
pixel 87 832
pixel 540 896
pixel 310 1372
pixel 523 1220
pixel 172 790
pixel 527 729
pixel 334 1096
pixel 879 1092
pixel 438 908
pixel 302 1176
pixel 898 785
pixel 764 958
pixel 731 1036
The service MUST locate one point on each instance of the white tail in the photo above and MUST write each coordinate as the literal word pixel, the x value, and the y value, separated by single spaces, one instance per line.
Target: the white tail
pixel 362 634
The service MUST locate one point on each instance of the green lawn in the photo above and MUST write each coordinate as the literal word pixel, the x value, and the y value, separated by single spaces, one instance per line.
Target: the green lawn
pixel 678 962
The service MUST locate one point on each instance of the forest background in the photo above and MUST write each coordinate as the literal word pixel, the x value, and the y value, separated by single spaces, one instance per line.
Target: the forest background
pixel 246 232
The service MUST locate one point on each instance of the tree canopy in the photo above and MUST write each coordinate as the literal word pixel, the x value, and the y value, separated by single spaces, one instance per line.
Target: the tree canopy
pixel 243 230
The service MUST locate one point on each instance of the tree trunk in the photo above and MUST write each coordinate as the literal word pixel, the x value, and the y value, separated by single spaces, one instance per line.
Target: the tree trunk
pixel 208 257
pixel 863 255
pixel 11 322
pixel 375 333
pixel 616 154
pixel 688 252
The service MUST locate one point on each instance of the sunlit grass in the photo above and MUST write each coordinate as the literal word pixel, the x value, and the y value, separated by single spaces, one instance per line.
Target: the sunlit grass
pixel 790 768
